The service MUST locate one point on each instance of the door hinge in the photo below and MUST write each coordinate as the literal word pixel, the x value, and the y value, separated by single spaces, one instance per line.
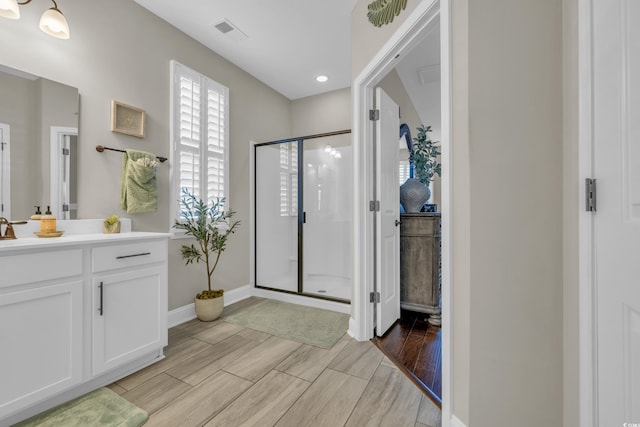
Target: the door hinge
pixel 374 297
pixel 374 205
pixel 374 115
pixel 65 208
pixel 65 151
pixel 590 194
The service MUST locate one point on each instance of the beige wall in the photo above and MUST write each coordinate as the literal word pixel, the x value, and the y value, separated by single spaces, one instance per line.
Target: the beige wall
pixel 461 212
pixel 515 116
pixel 507 189
pixel 120 51
pixel 323 113
pixel 571 210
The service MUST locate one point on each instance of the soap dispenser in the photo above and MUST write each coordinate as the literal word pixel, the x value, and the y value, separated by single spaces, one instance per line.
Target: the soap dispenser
pixel 47 222
pixel 36 216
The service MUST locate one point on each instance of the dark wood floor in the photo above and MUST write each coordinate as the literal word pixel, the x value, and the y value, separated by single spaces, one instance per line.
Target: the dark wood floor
pixel 415 346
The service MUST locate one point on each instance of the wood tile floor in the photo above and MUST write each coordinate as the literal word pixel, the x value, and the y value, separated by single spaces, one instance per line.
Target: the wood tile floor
pixel 416 346
pixel 221 374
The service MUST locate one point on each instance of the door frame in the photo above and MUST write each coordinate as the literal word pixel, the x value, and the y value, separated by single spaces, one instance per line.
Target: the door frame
pixel 407 36
pixel 5 169
pixel 56 140
pixel 588 402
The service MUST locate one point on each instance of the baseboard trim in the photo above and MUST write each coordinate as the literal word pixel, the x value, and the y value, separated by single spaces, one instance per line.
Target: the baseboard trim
pixel 187 312
pixel 352 328
pixel 455 422
pixel 181 315
pixel 238 294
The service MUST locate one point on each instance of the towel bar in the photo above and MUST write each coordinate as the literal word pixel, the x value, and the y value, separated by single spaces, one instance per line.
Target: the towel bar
pixel 101 148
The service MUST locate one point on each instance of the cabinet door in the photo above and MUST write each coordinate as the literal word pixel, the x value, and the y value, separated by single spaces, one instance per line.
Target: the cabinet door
pixel 129 318
pixel 40 344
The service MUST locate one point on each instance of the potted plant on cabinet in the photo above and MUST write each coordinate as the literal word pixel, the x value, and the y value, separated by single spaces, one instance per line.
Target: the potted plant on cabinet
pixel 424 153
pixel 211 226
pixel 424 158
pixel 111 224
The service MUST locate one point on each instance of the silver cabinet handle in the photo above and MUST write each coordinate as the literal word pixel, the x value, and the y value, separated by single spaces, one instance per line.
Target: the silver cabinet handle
pixel 101 308
pixel 134 255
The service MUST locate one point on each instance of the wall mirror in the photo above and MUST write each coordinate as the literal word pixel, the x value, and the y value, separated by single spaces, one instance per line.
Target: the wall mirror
pixel 38 141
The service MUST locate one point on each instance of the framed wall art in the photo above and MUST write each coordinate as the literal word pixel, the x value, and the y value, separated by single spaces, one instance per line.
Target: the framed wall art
pixel 127 119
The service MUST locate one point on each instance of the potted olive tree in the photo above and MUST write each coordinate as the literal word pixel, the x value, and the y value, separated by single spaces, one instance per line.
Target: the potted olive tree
pixel 210 225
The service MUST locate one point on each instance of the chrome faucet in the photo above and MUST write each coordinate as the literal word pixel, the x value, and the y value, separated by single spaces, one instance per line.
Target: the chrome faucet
pixel 8 232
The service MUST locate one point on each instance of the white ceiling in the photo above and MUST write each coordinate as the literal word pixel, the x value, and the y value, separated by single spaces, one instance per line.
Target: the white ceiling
pixel 287 43
pixel 419 72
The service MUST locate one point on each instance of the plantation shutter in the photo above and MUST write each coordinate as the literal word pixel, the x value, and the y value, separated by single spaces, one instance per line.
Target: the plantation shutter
pixel 215 141
pixel 404 171
pixel 289 179
pixel 190 132
pixel 202 137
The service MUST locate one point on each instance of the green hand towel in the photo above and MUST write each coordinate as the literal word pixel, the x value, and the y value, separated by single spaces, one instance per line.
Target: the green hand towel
pixel 138 188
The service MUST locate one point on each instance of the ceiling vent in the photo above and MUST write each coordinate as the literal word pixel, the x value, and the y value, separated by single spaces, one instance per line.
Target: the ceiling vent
pixel 429 74
pixel 228 29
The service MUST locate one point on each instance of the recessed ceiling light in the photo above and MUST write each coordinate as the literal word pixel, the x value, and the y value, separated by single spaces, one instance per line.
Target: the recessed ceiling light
pixel 321 78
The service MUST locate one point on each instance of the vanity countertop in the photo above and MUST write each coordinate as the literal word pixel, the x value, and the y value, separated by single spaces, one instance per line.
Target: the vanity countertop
pixel 83 231
pixel 8 246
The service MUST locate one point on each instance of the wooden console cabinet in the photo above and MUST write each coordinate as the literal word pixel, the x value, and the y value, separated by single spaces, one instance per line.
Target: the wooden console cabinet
pixel 420 264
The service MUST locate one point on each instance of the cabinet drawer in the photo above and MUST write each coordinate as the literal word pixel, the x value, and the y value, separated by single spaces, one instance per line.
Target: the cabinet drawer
pixel 39 266
pixel 128 255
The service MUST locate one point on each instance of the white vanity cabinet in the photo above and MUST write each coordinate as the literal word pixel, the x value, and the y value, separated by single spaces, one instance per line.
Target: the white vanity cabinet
pixel 129 299
pixel 77 313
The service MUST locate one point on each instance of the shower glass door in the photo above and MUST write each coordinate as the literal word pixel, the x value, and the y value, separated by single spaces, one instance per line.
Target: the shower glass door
pixel 276 213
pixel 327 203
pixel 303 212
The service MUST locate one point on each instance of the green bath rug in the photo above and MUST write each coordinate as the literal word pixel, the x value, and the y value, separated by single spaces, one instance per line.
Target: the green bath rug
pixel 100 408
pixel 314 326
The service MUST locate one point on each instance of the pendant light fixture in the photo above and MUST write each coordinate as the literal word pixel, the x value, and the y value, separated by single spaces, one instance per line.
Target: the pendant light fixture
pixel 52 21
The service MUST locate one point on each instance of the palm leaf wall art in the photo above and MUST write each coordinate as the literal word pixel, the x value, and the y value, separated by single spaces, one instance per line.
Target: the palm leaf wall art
pixel 382 12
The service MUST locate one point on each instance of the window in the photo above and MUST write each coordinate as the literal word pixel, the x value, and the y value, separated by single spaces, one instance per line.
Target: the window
pixel 404 171
pixel 199 137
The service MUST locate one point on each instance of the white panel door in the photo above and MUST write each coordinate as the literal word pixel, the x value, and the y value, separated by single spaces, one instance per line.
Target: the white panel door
pixel 388 230
pixel 616 109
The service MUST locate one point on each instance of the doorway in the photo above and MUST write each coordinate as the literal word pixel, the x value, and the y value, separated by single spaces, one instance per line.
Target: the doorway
pixel 409 35
pixel 410 337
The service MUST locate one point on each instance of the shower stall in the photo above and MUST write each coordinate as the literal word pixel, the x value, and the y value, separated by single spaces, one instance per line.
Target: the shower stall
pixel 303 215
